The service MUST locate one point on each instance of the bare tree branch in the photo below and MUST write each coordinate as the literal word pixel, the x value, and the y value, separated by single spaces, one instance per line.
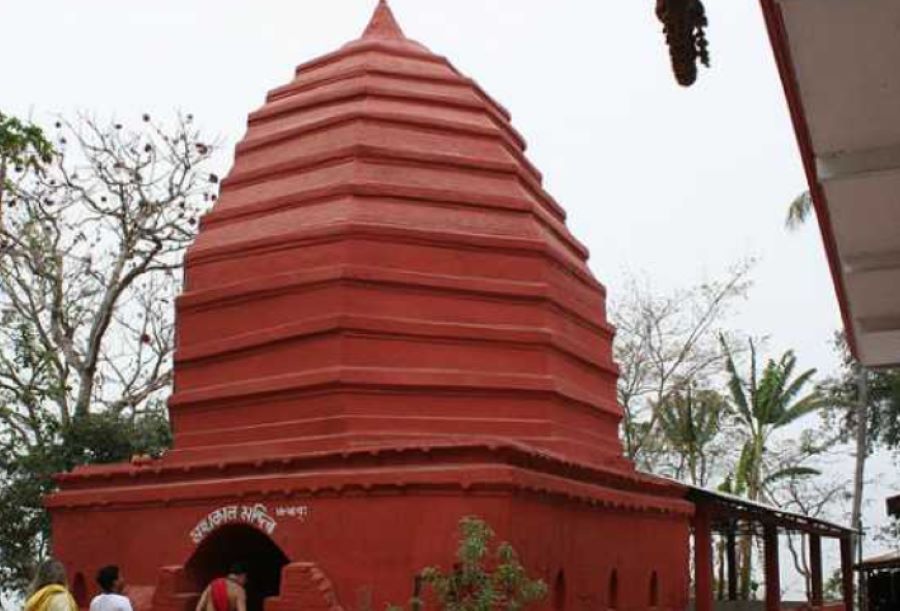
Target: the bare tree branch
pixel 664 344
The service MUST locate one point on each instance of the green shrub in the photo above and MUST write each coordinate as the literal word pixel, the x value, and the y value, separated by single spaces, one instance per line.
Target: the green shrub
pixel 481 579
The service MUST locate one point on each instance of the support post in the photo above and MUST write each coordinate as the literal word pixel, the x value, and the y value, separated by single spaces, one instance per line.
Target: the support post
pixel 731 561
pixel 815 570
pixel 773 573
pixel 847 571
pixel 703 565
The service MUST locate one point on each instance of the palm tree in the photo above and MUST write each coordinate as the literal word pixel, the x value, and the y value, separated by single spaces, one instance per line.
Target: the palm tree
pixel 763 404
pixel 799 211
pixel 688 422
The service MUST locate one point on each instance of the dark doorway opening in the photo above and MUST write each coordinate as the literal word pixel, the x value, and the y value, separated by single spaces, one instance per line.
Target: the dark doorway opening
pixel 612 596
pixel 654 590
pixel 239 543
pixel 559 592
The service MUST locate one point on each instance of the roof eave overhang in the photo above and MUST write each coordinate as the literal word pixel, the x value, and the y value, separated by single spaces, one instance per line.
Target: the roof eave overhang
pixel 840 103
pixel 781 50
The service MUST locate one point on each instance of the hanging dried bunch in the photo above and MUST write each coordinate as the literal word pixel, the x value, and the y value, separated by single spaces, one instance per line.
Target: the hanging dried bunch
pixel 683 24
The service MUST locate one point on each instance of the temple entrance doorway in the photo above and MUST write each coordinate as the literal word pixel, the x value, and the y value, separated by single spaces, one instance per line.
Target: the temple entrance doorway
pixel 239 543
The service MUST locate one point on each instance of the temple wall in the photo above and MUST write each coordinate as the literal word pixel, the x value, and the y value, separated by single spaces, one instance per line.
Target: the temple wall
pixel 371 545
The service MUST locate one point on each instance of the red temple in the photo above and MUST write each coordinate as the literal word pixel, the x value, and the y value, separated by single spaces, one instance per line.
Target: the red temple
pixel 386 326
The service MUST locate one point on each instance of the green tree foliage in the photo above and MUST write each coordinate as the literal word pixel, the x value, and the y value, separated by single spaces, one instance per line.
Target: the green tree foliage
pixel 482 579
pixel 22 146
pixel 799 211
pixel 689 422
pixel 883 401
pixel 28 477
pixel 833 588
pixel 92 234
pixel 763 404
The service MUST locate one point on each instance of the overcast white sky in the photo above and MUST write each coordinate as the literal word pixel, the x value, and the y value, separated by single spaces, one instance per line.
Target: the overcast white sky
pixel 673 183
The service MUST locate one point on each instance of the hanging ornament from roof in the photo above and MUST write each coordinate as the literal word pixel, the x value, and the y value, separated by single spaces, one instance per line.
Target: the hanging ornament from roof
pixel 684 22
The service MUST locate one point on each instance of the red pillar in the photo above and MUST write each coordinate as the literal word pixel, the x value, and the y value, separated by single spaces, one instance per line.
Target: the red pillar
pixel 773 575
pixel 703 561
pixel 815 569
pixel 847 571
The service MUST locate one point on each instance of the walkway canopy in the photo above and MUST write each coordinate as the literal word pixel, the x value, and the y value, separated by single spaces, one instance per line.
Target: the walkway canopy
pixel 728 512
pixel 730 516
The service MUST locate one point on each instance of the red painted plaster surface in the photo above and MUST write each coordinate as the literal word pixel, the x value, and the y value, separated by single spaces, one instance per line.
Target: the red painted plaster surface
pixel 386 326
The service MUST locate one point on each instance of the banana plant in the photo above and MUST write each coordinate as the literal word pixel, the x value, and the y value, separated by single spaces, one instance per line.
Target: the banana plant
pixel 763 403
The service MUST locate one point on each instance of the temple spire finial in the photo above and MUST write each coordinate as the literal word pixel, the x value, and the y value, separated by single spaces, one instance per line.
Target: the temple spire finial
pixel 383 24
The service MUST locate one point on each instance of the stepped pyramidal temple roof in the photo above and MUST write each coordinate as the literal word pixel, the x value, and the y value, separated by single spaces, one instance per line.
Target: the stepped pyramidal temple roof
pixel 383 267
pixel 384 264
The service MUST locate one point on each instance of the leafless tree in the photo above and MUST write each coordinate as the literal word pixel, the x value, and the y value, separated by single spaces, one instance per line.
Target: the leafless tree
pixel 90 252
pixel 816 497
pixel 666 344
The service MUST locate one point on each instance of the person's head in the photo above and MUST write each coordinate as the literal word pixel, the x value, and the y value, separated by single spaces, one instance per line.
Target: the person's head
pixel 49 572
pixel 238 572
pixel 109 578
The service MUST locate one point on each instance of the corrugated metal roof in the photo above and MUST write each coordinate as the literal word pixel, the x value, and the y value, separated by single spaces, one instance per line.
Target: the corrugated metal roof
pixel 884 561
pixel 730 507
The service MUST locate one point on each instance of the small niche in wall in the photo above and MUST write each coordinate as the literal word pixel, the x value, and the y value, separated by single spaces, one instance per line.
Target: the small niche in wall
pixel 612 594
pixel 559 592
pixel 654 590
